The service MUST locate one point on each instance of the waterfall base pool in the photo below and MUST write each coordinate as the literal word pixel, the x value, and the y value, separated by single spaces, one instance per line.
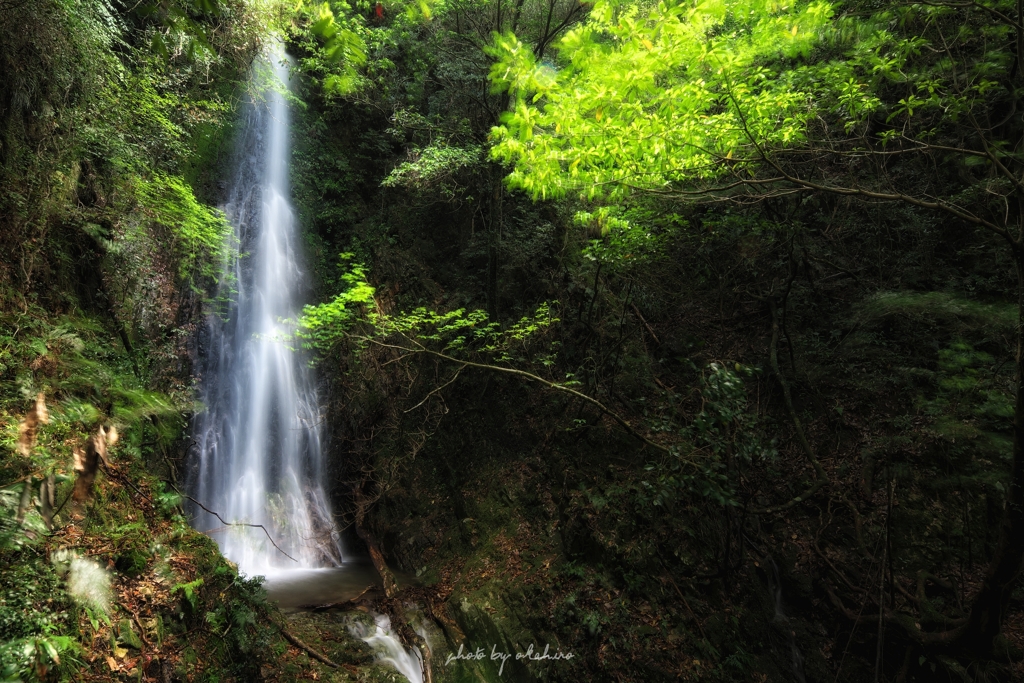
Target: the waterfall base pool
pixel 296 589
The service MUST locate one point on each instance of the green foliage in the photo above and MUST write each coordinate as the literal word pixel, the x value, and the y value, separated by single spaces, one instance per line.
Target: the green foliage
pixel 457 332
pixel 724 426
pixel 86 383
pixel 167 500
pixel 200 236
pixel 189 591
pixel 111 121
pixel 101 120
pixel 338 46
pixel 460 332
pixel 31 658
pixel 629 236
pixel 969 388
pixel 897 65
pixel 681 94
pixel 77 359
pixel 726 438
pixel 31 531
pixel 653 97
pixel 322 325
pixel 434 169
pixel 33 640
pixel 938 310
pixel 218 600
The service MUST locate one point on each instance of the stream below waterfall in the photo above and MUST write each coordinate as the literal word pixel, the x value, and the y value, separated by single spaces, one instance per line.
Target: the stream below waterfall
pixel 258 460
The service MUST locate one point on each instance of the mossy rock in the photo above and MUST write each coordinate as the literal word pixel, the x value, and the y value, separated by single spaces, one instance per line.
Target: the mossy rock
pixel 132 562
pixel 127 635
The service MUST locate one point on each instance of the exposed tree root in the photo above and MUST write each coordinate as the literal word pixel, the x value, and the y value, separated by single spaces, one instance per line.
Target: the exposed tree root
pixel 391 603
pixel 353 603
pixel 305 648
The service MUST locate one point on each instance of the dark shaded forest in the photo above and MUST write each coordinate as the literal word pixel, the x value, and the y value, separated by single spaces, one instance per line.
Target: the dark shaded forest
pixel 684 338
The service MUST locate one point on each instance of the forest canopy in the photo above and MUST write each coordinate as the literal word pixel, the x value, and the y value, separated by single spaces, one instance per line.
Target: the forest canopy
pixel 654 98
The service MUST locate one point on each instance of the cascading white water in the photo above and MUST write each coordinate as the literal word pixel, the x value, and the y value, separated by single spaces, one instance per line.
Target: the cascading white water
pixel 258 444
pixel 388 649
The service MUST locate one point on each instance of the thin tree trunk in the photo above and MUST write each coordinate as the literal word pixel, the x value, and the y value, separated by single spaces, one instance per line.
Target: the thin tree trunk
pixel 989 607
pixel 494 234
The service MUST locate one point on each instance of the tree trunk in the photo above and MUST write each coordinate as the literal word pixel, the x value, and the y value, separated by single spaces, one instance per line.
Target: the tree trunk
pixel 493 236
pixel 989 607
pixel 376 555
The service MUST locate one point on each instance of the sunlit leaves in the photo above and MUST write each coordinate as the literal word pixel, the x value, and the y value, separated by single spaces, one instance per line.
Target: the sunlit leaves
pixel 516 68
pixel 433 169
pixel 686 92
pixel 200 234
pixel 321 326
pixel 628 236
pixel 461 332
pixel 458 332
pixel 648 99
pixel 342 50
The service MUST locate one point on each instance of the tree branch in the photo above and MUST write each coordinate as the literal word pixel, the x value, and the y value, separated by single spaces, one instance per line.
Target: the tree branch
pixel 305 648
pixel 533 378
pixel 227 523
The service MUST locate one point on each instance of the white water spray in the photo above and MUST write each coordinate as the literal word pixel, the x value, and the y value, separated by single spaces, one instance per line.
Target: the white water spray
pixel 388 649
pixel 258 446
pixel 259 451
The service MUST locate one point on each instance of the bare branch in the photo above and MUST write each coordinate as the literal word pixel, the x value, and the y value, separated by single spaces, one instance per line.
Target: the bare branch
pixel 435 390
pixel 533 378
pixel 227 523
pixel 976 5
pixel 854 191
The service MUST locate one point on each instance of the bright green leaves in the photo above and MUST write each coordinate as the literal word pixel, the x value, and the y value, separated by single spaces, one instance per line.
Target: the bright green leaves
pixel 321 326
pixel 340 41
pixel 684 91
pixel 458 333
pixel 434 169
pixel 200 234
pixel 324 26
pixel 853 104
pixel 341 47
pixel 516 68
pixel 627 236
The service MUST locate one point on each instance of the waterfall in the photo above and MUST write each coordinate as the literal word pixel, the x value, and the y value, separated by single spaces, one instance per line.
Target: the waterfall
pixel 258 448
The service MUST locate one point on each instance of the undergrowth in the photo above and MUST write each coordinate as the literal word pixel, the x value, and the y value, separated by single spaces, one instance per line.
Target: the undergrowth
pixel 120 585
